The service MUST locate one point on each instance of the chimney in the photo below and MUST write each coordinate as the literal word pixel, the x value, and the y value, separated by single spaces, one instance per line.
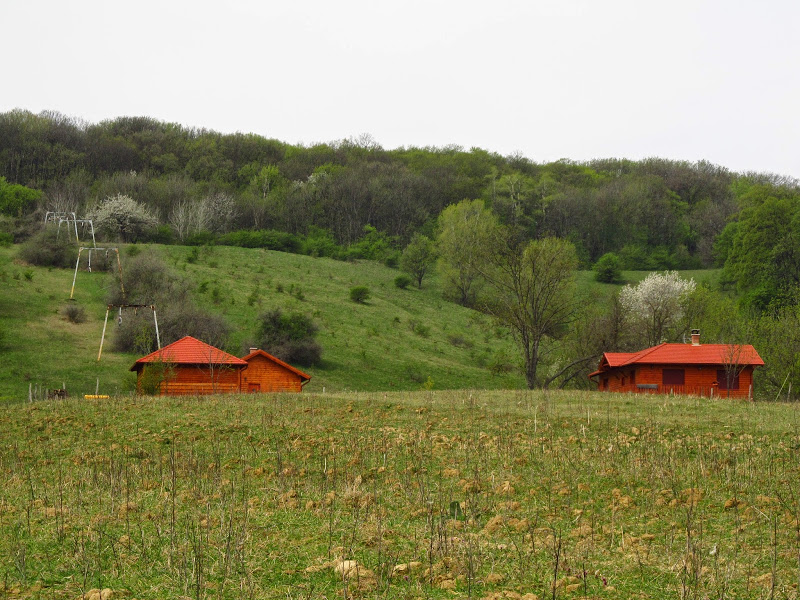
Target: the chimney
pixel 254 349
pixel 695 337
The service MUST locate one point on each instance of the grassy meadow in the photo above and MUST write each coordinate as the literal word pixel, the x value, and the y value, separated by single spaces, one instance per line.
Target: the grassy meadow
pixel 427 494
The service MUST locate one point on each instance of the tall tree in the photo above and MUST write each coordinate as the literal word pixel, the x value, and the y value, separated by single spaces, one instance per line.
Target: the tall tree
pixel 534 292
pixel 464 229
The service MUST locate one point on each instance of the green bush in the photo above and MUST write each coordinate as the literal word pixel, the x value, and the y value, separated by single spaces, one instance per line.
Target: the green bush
pixel 289 337
pixel 74 313
pixel 608 268
pixel 161 234
pixel 359 294
pixel 459 341
pixel 402 281
pixel 17 200
pixel 49 249
pixel 320 242
pixel 263 238
pixel 392 260
pixel 420 329
pixel 373 245
pixel 500 363
pixel 413 372
pixel 201 238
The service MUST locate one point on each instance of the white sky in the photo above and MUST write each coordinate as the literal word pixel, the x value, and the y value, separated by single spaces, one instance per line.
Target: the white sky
pixel 709 79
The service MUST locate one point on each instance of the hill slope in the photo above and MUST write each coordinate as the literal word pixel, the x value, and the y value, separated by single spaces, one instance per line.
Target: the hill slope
pixel 399 339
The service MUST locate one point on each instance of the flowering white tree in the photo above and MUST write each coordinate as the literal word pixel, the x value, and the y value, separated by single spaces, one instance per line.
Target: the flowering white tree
pixel 123 218
pixel 655 305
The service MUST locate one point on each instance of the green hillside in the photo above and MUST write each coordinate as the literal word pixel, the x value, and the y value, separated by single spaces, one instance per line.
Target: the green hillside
pixel 401 339
pixel 398 340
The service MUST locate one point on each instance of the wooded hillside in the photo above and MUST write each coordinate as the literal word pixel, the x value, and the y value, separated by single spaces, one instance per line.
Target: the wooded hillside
pixel 654 213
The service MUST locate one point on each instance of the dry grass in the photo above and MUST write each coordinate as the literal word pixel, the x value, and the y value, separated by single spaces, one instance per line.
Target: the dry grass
pixel 430 494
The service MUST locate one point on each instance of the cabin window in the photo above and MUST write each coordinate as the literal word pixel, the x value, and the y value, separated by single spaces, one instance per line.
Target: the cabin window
pixel 672 377
pixel 722 380
pixel 633 377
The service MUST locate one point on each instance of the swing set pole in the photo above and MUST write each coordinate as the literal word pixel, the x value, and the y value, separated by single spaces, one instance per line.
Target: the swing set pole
pixel 103 336
pixel 75 276
pixel 155 321
pixel 119 266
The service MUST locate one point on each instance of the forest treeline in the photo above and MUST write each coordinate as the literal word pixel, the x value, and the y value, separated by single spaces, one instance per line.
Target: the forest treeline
pixel 653 213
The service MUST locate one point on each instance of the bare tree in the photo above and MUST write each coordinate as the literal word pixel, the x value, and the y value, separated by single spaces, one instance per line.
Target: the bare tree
pixel 733 364
pixel 182 219
pixel 534 292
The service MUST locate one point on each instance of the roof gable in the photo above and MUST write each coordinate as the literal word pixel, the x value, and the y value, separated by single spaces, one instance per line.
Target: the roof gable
pixel 277 361
pixel 190 351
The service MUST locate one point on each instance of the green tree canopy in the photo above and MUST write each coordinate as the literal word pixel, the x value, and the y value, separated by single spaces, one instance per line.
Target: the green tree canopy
pixel 17 200
pixel 608 268
pixel 764 257
pixel 418 257
pixel 464 230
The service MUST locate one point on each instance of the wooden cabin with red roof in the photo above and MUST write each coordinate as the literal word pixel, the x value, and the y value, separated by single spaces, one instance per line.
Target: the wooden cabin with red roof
pixel 191 367
pixel 266 373
pixel 696 369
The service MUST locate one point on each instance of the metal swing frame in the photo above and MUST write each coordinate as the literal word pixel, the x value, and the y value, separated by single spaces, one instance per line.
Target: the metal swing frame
pixel 70 217
pixel 96 249
pixel 135 308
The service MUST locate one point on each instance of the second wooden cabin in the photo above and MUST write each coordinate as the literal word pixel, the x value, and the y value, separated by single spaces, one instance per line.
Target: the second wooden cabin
pixel 697 369
pixel 192 367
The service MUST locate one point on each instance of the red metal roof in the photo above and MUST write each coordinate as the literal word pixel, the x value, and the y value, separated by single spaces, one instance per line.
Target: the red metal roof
pixel 287 366
pixel 683 354
pixel 189 351
pixel 617 359
pixel 700 354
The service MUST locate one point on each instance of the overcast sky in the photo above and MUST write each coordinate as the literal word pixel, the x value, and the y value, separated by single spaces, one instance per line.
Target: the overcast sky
pixel 580 79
